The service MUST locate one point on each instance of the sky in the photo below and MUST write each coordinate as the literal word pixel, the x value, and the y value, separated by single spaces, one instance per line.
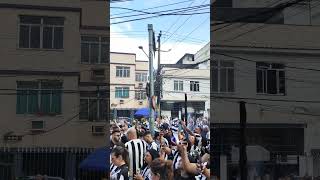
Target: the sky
pixel 188 33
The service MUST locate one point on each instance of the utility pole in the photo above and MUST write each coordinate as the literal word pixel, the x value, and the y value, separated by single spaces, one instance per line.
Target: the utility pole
pixel 243 152
pixel 185 108
pixel 158 77
pixel 151 52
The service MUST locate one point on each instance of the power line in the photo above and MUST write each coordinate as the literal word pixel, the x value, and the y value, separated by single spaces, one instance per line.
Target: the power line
pixel 154 7
pixel 178 11
pixel 175 23
pixel 249 60
pixel 137 19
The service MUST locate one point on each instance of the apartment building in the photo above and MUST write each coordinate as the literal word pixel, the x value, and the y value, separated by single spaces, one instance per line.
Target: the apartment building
pixel 128 78
pixel 178 80
pixel 52 56
pixel 268 69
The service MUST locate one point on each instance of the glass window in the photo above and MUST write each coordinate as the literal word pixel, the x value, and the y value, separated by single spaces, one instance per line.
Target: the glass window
pixel 32 28
pixel 270 78
pixel 222 79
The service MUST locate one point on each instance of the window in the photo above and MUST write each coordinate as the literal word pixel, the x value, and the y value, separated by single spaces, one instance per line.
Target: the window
pixel 140 95
pixel 94 49
pixel 141 77
pixel 93 108
pixel 122 71
pixel 194 86
pixel 223 76
pixel 270 78
pixel 178 85
pixel 122 92
pixel 41 32
pixel 35 97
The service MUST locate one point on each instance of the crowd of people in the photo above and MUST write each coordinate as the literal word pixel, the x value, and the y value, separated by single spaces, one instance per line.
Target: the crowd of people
pixel 174 150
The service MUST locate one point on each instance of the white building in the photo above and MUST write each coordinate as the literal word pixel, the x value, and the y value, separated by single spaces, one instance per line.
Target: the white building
pixel 178 81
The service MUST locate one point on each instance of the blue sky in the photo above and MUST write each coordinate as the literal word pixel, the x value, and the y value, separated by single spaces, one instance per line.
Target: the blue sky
pixel 126 37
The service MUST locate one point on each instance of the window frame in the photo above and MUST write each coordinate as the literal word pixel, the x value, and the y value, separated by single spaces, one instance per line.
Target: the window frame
pixel 142 77
pixel 122 92
pixel 100 43
pixel 180 84
pixel 39 90
pixel 218 68
pixel 42 25
pixel 140 95
pixel 264 70
pixel 194 86
pixel 123 70
pixel 99 119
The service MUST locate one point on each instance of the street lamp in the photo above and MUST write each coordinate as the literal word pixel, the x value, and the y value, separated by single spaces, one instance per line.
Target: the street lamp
pixel 140 47
pixel 163 50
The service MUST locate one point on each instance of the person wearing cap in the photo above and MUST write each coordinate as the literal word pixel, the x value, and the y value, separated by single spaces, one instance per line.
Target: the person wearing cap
pixel 145 174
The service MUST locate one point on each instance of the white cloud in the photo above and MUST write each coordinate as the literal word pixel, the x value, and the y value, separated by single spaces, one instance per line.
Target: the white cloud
pixel 127 44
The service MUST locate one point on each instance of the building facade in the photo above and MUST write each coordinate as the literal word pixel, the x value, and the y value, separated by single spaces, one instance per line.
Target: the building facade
pixel 268 69
pixel 49 51
pixel 128 78
pixel 176 82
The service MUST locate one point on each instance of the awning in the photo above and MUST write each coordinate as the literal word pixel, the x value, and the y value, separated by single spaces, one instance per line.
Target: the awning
pixel 97 161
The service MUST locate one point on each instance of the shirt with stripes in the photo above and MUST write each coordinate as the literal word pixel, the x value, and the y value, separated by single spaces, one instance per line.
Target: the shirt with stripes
pixel 153 145
pixel 122 173
pixel 113 169
pixel 137 149
pixel 146 173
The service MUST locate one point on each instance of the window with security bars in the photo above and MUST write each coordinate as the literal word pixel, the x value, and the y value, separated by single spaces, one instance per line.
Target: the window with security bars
pixel 122 71
pixel 122 92
pixel 94 49
pixel 177 85
pixel 222 79
pixel 43 97
pixel 41 32
pixel 270 78
pixel 140 95
pixel 141 77
pixel 194 86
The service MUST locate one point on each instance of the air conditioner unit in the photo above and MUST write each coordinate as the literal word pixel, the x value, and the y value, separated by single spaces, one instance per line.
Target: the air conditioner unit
pixel 37 125
pixel 98 130
pixel 98 74
pixel 121 101
pixel 140 85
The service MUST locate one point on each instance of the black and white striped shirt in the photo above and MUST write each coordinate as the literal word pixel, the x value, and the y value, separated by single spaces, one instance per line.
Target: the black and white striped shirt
pixel 121 173
pixel 137 149
pixel 113 169
pixel 146 173
pixel 153 145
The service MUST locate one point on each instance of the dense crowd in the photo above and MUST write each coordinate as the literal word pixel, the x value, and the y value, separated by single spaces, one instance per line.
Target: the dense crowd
pixel 176 150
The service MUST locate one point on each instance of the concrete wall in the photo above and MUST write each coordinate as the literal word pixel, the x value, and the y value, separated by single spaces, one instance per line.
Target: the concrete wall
pixel 35 59
pixel 74 133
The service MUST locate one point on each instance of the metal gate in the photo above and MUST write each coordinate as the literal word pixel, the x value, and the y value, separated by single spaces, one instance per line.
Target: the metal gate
pixel 51 161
